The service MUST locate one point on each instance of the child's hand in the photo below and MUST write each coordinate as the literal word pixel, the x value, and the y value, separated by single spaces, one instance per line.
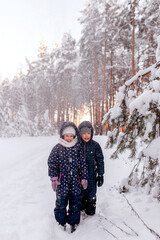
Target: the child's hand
pixel 100 180
pixel 55 183
pixel 84 183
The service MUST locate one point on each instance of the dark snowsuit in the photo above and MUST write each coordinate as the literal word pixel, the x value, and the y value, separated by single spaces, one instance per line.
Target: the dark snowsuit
pixel 95 161
pixel 68 164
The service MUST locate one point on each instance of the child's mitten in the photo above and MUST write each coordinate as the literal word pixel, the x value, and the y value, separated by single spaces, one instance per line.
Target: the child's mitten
pixel 84 183
pixel 55 183
pixel 100 180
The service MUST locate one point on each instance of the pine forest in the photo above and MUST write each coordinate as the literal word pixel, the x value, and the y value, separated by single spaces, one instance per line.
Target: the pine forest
pixel 82 79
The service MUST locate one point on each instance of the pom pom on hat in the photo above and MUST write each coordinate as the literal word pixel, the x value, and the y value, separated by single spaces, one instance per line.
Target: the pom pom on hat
pixel 69 130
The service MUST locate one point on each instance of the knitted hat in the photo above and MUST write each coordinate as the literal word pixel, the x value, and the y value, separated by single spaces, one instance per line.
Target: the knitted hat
pixel 69 130
pixel 84 130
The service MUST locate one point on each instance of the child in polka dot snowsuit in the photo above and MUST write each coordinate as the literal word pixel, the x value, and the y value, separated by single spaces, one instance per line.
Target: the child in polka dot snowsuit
pixel 68 171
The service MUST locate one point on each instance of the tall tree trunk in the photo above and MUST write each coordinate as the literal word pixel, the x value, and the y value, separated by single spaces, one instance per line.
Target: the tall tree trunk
pixel 104 80
pixel 91 111
pixel 111 83
pixel 96 105
pixel 133 38
pixel 107 101
pixel 74 113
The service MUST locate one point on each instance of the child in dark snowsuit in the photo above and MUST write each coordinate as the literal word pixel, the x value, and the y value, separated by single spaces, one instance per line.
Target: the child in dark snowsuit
pixel 95 161
pixel 68 171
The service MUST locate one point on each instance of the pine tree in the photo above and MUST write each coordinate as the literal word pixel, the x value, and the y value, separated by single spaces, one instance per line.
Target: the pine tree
pixel 142 125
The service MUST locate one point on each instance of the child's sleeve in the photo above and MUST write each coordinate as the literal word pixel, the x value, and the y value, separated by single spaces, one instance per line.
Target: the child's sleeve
pixel 83 165
pixel 53 163
pixel 99 159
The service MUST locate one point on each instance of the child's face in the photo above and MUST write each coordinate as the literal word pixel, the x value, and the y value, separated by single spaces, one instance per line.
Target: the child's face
pixel 68 137
pixel 86 137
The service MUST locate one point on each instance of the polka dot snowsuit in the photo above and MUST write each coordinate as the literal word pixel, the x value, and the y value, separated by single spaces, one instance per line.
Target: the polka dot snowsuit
pixel 68 164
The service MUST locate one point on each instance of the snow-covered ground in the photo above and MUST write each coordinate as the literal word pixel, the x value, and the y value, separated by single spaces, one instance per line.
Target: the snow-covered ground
pixel 27 199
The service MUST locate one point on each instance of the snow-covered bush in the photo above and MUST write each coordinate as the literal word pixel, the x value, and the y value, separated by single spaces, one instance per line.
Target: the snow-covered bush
pixel 112 138
pixel 118 115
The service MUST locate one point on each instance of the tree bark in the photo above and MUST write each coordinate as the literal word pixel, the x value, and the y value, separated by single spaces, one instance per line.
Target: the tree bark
pixel 133 38
pixel 104 80
pixel 96 105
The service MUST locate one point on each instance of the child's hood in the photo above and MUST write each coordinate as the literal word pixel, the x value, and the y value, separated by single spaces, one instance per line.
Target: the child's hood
pixel 67 124
pixel 88 125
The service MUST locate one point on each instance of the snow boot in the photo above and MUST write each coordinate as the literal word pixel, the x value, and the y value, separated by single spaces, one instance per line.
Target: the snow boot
pixel 63 226
pixel 83 215
pixel 73 228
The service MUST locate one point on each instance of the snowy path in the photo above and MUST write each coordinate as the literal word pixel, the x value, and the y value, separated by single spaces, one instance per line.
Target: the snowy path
pixel 27 200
